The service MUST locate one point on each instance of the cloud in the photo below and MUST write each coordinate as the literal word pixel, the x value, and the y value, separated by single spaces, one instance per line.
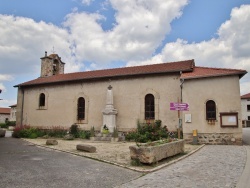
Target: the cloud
pixel 87 2
pixel 4 78
pixel 230 49
pixel 23 40
pixel 140 26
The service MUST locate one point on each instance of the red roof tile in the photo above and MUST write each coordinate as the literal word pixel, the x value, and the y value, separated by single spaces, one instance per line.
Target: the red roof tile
pixel 203 72
pixel 4 110
pixel 117 72
pixel 246 96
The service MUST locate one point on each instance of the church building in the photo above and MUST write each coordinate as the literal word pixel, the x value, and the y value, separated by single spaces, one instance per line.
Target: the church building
pixel 208 99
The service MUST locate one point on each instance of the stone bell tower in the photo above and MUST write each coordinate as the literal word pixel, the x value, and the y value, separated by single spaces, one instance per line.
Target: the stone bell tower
pixel 51 65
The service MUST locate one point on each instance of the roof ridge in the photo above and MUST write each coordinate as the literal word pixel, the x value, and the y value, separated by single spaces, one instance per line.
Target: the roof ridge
pixel 219 68
pixel 133 66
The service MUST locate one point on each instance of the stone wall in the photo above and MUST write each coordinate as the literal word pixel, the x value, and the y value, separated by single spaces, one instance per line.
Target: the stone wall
pixel 215 138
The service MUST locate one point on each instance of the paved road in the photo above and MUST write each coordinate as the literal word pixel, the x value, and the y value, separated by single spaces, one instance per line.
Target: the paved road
pixel 210 167
pixel 246 135
pixel 24 165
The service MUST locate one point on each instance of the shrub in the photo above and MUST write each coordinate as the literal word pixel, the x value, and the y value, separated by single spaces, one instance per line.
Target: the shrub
pixel 16 131
pixel 4 125
pixel 56 131
pixel 148 132
pixel 74 130
pixel 131 136
pixel 84 134
pixel 11 123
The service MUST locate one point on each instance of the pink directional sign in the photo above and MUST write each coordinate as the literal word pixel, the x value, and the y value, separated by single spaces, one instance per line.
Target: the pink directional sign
pixel 179 106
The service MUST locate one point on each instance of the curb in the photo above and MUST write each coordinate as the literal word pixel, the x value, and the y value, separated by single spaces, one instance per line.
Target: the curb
pixel 244 180
pixel 120 165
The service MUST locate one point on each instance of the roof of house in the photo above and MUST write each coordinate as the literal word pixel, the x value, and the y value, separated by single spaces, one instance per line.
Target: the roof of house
pixel 203 72
pixel 14 105
pixel 246 96
pixel 171 67
pixel 187 67
pixel 4 110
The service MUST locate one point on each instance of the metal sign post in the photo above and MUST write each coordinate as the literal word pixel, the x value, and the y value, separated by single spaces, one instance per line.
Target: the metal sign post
pixel 179 107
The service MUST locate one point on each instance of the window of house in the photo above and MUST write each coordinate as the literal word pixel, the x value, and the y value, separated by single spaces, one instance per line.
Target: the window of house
pixel 248 117
pixel 81 109
pixel 42 100
pixel 248 107
pixel 149 106
pixel 210 110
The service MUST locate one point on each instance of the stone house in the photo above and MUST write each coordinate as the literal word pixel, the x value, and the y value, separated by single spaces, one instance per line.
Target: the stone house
pixel 245 109
pixel 139 93
pixel 13 112
pixel 4 114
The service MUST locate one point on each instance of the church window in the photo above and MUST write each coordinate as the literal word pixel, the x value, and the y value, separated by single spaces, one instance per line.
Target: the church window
pixel 81 109
pixel 149 106
pixel 210 110
pixel 42 100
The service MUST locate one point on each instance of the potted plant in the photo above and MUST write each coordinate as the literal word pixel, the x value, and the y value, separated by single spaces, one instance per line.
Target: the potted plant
pixel 105 130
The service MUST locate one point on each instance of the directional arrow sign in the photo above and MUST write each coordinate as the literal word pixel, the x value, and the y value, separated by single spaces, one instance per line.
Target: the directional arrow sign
pixel 179 106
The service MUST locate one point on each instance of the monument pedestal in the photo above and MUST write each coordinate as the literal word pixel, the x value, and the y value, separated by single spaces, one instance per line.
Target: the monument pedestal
pixel 109 113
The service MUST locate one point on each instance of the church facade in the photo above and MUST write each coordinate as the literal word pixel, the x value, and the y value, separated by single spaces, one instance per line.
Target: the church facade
pixel 140 93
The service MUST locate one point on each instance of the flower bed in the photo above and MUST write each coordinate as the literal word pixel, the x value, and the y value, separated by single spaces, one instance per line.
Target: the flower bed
pixel 146 153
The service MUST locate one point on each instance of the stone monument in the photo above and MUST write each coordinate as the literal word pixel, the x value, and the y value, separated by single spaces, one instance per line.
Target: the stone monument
pixel 109 113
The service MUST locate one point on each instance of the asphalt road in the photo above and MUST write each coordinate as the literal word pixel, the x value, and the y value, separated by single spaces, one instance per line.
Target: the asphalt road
pixel 246 135
pixel 25 165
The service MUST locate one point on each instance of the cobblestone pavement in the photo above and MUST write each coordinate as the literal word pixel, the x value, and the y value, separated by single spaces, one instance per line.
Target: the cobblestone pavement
pixel 212 166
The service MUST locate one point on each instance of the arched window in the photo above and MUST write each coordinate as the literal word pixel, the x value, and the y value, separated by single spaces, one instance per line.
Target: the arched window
pixel 149 106
pixel 210 110
pixel 42 100
pixel 81 108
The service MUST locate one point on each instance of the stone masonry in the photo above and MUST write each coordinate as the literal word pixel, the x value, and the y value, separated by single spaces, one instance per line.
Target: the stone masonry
pixel 215 139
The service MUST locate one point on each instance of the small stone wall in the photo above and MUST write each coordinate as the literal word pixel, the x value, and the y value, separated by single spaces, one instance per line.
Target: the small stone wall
pixel 152 154
pixel 215 138
pixel 107 137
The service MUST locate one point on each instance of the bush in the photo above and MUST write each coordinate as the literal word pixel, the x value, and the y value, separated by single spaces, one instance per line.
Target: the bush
pixel 56 131
pixel 4 125
pixel 74 130
pixel 84 134
pixel 11 123
pixel 148 132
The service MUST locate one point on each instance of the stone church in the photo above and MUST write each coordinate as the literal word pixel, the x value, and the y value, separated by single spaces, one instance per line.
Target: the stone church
pixel 121 97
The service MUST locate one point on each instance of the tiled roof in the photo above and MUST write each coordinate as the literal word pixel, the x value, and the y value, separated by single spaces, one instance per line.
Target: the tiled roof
pixel 117 72
pixel 4 110
pixel 246 96
pixel 203 72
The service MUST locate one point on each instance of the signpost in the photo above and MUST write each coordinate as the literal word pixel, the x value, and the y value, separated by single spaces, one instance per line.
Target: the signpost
pixel 179 107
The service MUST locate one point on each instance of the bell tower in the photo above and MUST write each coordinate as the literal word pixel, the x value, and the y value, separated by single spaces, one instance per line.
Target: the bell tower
pixel 51 65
